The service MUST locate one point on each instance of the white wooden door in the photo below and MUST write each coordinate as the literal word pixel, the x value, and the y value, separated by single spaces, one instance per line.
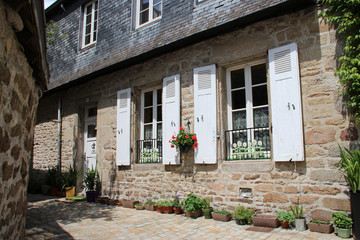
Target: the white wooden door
pixel 123 127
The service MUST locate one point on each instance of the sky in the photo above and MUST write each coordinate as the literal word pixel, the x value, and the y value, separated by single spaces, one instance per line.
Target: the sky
pixel 47 3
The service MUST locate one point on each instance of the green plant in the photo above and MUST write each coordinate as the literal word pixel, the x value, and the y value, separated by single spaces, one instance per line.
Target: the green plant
pixel 222 212
pixel 285 216
pixel 176 202
pixel 192 203
pixel 346 15
pixel 164 203
pixel 91 180
pixel 138 205
pixel 184 139
pixel 341 220
pixel 52 177
pixel 349 164
pixel 205 202
pixel 320 222
pixel 53 33
pixel 297 210
pixel 242 212
pixel 70 177
pixel 150 203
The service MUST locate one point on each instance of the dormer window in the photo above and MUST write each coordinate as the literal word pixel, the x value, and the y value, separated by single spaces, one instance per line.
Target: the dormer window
pixel 147 11
pixel 90 23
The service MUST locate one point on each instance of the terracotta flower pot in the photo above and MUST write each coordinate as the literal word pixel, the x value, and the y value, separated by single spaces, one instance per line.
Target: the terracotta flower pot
pixel 139 207
pixel 284 224
pixel 177 210
pixel 221 217
pixel 158 209
pixel 167 210
pixel 265 220
pixel 129 203
pixel 150 207
pixel 195 214
pixel 321 228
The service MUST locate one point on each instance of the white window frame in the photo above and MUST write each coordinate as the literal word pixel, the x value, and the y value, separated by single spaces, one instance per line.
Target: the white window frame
pixel 151 17
pixel 92 32
pixel 154 106
pixel 248 94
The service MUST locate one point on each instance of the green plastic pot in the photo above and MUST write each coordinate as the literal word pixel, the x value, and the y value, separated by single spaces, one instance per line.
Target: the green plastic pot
pixel 207 212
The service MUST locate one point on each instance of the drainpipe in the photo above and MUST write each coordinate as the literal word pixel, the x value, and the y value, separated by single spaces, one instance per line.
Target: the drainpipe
pixel 59 122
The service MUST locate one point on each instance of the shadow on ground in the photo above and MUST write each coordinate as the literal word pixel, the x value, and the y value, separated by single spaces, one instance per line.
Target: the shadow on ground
pixel 45 216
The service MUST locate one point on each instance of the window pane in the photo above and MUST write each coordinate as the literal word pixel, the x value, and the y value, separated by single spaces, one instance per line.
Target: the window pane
pixel 148 116
pixel 88 9
pixel 159 96
pixel 148 132
pixel 88 19
pixel 96 5
pixel 94 37
pixel 159 113
pixel 238 99
pixel 262 138
pixel 87 39
pixel 144 17
pixel 157 11
pixel 148 99
pixel 88 28
pixel 144 4
pixel 92 112
pixel 95 16
pixel 239 120
pixel 159 131
pixel 260 95
pixel 258 74
pixel 261 117
pixel 237 79
pixel 91 131
pixel 156 2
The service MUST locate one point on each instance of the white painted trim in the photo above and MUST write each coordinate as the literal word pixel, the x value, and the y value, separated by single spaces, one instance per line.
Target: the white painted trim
pixel 92 23
pixel 151 19
pixel 154 107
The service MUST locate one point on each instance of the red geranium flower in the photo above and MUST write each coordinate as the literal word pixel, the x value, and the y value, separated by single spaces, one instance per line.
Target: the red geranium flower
pixel 173 137
pixel 172 146
pixel 181 128
pixel 186 136
pixel 195 145
pixel 194 138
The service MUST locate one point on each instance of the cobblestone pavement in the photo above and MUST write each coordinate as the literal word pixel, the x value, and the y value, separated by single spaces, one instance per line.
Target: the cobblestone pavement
pixel 48 219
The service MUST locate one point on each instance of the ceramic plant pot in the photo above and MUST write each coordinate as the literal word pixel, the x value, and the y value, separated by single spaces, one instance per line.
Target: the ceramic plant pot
pixel 70 191
pixel 265 220
pixel 91 195
pixel 207 212
pixel 240 221
pixel 184 148
pixel 343 232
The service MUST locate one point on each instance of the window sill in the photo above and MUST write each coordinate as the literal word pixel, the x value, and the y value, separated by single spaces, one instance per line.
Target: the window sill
pixel 149 166
pixel 266 165
pixel 87 47
pixel 148 24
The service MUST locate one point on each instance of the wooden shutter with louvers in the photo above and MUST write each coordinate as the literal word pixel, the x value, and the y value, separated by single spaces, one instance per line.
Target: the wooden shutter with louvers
pixel 123 127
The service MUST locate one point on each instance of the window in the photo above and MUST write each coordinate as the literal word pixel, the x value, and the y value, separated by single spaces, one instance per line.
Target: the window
pixel 147 11
pixel 150 144
pixel 248 113
pixel 90 23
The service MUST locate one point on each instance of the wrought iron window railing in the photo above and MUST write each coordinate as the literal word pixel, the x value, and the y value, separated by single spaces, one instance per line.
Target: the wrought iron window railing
pixel 149 151
pixel 248 143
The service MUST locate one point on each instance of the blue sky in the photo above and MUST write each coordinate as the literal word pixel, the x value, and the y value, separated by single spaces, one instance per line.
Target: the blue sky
pixel 47 3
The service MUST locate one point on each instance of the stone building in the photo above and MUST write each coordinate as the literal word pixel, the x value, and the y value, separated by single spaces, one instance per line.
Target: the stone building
pixel 23 73
pixel 253 79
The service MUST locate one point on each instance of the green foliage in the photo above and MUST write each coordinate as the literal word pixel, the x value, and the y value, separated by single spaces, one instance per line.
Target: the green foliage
pixel 176 201
pixel 242 212
pixel 349 164
pixel 164 203
pixel 345 15
pixel 285 216
pixel 52 177
pixel 138 205
pixel 53 33
pixel 184 139
pixel 320 222
pixel 192 203
pixel 91 180
pixel 341 220
pixel 205 202
pixel 69 178
pixel 222 212
pixel 150 203
pixel 297 210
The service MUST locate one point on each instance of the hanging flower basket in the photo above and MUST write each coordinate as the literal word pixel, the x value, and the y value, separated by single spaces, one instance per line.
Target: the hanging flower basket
pixel 183 141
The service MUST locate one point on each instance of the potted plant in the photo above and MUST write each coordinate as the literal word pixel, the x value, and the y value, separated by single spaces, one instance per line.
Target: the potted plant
pixel 150 205
pixel 223 216
pixel 297 211
pixel 129 203
pixel 165 206
pixel 265 220
pixel 69 178
pixel 342 223
pixel 177 205
pixel 91 182
pixel 139 206
pixel 192 206
pixel 184 141
pixel 242 215
pixel 52 178
pixel 320 226
pixel 349 165
pixel 206 209
pixel 285 218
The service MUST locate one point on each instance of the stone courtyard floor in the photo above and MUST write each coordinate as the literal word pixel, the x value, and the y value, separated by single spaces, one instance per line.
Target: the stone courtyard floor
pixel 48 219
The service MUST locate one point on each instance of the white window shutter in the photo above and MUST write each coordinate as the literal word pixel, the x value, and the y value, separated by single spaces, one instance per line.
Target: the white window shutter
pixel 205 114
pixel 286 110
pixel 170 118
pixel 123 127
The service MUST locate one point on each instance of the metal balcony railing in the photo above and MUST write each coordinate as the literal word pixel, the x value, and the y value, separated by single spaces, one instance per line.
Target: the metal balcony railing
pixel 248 143
pixel 149 151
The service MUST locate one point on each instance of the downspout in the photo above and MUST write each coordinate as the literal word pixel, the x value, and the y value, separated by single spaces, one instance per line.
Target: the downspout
pixel 59 122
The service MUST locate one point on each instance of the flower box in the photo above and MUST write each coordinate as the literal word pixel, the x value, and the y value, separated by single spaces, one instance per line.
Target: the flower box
pixel 194 214
pixel 150 207
pixel 221 217
pixel 321 228
pixel 265 220
pixel 129 203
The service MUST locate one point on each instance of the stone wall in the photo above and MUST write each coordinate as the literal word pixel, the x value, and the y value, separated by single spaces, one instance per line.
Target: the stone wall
pixel 316 182
pixel 18 103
